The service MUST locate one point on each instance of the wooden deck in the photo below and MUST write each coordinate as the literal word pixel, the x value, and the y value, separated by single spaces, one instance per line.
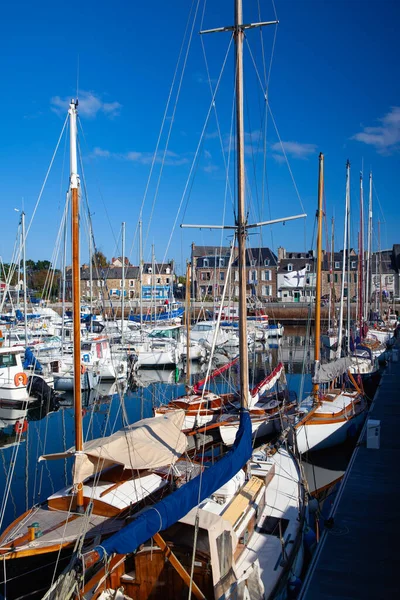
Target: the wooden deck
pixel 359 557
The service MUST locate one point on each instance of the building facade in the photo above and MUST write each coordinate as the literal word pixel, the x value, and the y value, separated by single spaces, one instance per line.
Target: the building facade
pixel 296 276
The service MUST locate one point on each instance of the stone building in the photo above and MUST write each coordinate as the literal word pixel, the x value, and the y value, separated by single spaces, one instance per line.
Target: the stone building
pixel 296 276
pixel 332 274
pixel 107 282
pixel 211 272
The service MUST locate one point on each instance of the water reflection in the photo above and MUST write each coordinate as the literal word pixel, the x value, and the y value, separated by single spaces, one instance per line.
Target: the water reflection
pixel 111 406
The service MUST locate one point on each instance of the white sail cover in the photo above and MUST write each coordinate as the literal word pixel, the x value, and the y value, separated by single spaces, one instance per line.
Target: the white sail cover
pixel 147 444
pixel 329 372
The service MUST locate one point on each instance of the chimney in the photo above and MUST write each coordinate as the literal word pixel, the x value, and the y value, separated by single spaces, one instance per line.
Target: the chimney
pixel 281 253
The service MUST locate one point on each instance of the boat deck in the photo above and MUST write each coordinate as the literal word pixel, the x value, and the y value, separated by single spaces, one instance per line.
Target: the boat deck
pixel 357 557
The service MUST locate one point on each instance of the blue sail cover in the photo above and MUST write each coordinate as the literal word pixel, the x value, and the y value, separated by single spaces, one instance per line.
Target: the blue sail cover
pixel 175 506
pixel 163 316
pixel 30 360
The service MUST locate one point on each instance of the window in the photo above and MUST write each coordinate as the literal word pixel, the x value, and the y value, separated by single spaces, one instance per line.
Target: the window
pixel 337 265
pixel 336 278
pixel 224 550
pixel 355 277
pixel 290 267
pixel 221 262
pixel 266 275
pixel 266 262
pixel 308 267
pixel 168 270
pixel 131 283
pixel 221 275
pixel 253 262
pixel 158 280
pixel 267 290
pixel 149 270
pixel 8 360
pixel 167 280
pixel 236 290
pixel 329 277
pixel 353 264
pixel 307 281
pixel 236 275
pixel 205 262
pixel 205 276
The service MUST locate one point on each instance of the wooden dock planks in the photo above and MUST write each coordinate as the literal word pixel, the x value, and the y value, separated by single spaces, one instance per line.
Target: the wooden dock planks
pixel 359 556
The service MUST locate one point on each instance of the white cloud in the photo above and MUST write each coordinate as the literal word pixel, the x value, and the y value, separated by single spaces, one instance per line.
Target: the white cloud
pixel 90 105
pixel 292 149
pixel 210 168
pixel 143 158
pixel 385 137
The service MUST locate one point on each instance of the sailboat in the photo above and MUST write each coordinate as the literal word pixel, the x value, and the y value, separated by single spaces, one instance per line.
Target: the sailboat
pixel 113 477
pixel 225 532
pixel 332 412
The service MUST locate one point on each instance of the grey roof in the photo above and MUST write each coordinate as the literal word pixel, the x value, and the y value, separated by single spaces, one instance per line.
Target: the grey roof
pixel 297 263
pixel 260 255
pixel 198 251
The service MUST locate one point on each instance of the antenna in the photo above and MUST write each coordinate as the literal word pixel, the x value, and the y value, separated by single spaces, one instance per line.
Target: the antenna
pixel 77 76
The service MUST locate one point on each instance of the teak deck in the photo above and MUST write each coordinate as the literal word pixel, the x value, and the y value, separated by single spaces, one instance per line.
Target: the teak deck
pixel 359 557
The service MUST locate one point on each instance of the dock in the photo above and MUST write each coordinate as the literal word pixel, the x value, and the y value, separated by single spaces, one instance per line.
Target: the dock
pixel 358 557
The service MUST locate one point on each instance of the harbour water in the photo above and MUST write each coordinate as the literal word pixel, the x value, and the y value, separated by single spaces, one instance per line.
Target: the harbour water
pixel 27 481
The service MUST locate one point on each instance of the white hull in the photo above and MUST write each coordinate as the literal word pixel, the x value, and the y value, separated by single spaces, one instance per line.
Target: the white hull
pixel 310 437
pixel 259 428
pixel 65 383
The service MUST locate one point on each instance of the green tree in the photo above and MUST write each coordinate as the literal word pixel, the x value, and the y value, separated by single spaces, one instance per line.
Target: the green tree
pixel 99 259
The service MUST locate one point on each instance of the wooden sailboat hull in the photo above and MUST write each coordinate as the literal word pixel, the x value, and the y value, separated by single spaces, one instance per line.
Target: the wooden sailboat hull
pixel 317 435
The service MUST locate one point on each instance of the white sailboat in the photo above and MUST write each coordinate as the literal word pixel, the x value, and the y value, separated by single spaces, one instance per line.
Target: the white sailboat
pixel 331 413
pixel 230 543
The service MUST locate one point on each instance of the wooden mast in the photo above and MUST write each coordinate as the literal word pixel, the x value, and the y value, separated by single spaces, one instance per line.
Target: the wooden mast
pixel 319 267
pixel 76 293
pixel 241 217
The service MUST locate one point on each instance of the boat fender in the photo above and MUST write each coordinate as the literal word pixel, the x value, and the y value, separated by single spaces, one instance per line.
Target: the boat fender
pixel 21 426
pixel 294 586
pixel 83 369
pixel 20 379
pixel 313 506
pixel 310 539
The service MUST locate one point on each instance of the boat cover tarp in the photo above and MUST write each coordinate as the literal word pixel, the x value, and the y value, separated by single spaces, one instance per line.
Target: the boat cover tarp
pixel 30 360
pixel 162 316
pixel 332 370
pixel 175 506
pixel 147 444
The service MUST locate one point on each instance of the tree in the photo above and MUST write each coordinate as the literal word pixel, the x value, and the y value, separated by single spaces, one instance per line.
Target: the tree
pixel 99 259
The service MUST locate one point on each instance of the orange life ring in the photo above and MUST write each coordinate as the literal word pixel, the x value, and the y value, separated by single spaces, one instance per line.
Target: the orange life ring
pixel 21 426
pixel 20 379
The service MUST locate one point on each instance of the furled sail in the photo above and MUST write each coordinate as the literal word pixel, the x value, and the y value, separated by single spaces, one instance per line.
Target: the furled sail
pixel 147 444
pixel 175 506
pixel 329 371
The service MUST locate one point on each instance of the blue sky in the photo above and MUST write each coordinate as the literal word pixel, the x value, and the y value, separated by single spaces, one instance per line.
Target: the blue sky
pixel 333 88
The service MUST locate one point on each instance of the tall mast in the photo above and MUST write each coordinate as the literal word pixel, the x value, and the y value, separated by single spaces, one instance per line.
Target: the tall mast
pixel 361 258
pixel 369 241
pixel 241 217
pixel 380 270
pixel 348 266
pixel 24 277
pixel 123 283
pixel 91 273
pixel 76 293
pixel 346 214
pixel 319 268
pixel 141 274
pixel 64 266
pixel 187 322
pixel 332 295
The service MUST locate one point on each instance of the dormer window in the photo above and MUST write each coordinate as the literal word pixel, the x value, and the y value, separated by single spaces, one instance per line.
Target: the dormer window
pixel 149 270
pixel 266 262
pixel 168 270
pixel 221 262
pixel 308 267
pixel 353 264
pixel 253 262
pixel 205 262
pixel 290 267
pixel 337 265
